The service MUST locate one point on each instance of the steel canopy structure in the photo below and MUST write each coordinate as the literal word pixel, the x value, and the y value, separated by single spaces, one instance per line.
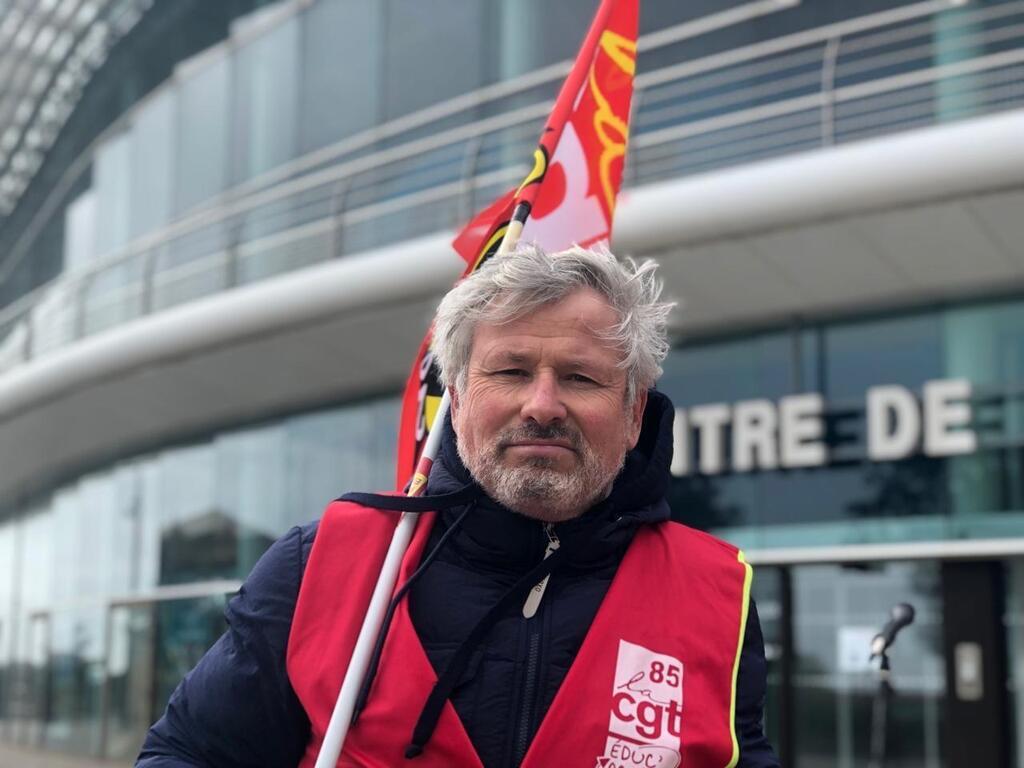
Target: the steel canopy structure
pixel 48 52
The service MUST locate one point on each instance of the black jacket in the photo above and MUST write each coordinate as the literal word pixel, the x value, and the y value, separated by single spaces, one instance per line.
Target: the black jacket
pixel 237 707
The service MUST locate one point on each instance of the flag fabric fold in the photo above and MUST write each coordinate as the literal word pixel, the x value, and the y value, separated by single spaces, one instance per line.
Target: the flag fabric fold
pixel 569 195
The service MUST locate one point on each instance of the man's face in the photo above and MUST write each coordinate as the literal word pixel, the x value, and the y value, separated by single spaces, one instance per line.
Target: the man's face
pixel 543 424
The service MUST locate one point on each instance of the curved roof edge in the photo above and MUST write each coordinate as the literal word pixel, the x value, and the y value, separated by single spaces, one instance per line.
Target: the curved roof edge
pixel 350 327
pixel 411 270
pixel 906 169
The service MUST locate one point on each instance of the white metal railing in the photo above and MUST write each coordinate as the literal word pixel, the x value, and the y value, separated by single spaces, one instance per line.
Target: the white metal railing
pixel 828 85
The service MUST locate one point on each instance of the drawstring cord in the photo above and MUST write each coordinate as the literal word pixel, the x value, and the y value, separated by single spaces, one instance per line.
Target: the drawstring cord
pixel 378 648
pixel 452 674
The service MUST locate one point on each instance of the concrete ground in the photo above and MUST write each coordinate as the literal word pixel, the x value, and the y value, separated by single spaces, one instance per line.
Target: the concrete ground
pixel 22 757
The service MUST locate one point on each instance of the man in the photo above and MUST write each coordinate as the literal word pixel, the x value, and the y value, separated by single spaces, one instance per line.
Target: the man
pixel 550 613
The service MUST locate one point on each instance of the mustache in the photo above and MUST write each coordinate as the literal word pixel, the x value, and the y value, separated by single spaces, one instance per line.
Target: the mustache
pixel 534 431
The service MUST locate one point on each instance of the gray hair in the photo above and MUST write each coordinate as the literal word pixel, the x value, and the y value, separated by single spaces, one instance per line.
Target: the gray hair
pixel 514 285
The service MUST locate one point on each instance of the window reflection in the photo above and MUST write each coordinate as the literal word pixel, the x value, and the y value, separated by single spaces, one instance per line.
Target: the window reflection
pixel 185 630
pixel 153 163
pixel 265 107
pixel 130 680
pixel 112 182
pixel 188 514
pixel 534 33
pixel 208 546
pixel 76 669
pixel 975 495
pixel 202 134
pixel 339 99
pixel 421 42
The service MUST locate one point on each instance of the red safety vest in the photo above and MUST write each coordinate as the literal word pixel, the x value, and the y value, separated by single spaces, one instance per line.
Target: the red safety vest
pixel 653 684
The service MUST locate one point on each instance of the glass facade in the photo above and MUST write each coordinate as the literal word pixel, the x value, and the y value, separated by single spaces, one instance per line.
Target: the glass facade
pixel 301 87
pixel 95 629
pixel 849 497
pixel 113 584
pixel 815 616
pixel 113 587
pixel 816 621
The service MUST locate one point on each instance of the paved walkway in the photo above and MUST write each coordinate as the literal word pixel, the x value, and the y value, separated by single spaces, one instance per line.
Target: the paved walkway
pixel 20 757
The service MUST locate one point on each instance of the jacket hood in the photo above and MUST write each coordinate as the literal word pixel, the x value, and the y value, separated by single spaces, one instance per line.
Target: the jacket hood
pixel 644 478
pixel 498 534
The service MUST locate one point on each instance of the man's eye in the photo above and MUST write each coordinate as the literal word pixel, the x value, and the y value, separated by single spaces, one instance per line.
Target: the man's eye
pixel 579 378
pixel 513 372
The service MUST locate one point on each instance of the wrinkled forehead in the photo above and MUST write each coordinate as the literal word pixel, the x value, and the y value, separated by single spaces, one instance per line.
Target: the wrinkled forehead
pixel 580 325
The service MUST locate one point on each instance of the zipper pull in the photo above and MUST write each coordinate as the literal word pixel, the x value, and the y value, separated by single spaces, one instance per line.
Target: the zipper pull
pixel 533 599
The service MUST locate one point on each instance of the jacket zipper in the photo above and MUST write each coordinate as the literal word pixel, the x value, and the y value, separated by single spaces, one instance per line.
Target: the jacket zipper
pixel 528 699
pixel 537 593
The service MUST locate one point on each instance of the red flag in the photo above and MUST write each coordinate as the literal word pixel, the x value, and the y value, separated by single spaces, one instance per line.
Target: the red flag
pixel 569 194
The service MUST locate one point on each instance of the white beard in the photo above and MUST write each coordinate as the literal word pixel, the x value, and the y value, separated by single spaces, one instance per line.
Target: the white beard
pixel 535 488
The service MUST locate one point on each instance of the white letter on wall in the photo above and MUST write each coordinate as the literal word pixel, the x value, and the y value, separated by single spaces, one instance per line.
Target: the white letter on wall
pixel 801 430
pixel 680 445
pixel 708 420
pixel 883 444
pixel 941 414
pixel 753 435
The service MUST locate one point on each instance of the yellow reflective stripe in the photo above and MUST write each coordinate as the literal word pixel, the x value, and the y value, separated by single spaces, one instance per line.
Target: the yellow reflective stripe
pixel 748 576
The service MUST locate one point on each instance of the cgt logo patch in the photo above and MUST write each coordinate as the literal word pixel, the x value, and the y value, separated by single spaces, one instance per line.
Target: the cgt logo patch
pixel 646 719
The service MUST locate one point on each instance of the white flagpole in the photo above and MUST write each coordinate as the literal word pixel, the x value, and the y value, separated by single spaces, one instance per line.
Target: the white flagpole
pixel 341 717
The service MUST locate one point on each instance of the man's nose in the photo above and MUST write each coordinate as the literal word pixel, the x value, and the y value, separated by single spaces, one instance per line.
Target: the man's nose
pixel 543 403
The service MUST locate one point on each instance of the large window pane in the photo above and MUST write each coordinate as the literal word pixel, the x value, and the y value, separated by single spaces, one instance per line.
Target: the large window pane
pixel 130 680
pixel 907 351
pixel 77 671
pixel 265 86
pixel 112 182
pixel 836 612
pixel 535 33
pixel 185 630
pixel 153 163
pixel 80 232
pixel 985 345
pixel 195 537
pixel 723 373
pixel 250 493
pixel 203 123
pixel 425 39
pixel 340 82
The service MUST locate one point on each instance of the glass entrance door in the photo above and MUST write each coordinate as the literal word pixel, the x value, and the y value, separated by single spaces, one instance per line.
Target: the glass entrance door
pixel 818 621
pixel 31 699
pixel 185 629
pixel 129 699
pixel 152 646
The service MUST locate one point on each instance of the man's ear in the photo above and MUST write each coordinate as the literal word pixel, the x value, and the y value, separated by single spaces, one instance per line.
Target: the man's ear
pixel 455 405
pixel 636 418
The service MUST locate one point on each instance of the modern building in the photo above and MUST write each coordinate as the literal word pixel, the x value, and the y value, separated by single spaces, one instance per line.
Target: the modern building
pixel 223 228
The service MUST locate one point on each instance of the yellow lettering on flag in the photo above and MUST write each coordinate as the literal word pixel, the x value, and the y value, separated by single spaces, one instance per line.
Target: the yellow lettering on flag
pixel 612 131
pixel 540 167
